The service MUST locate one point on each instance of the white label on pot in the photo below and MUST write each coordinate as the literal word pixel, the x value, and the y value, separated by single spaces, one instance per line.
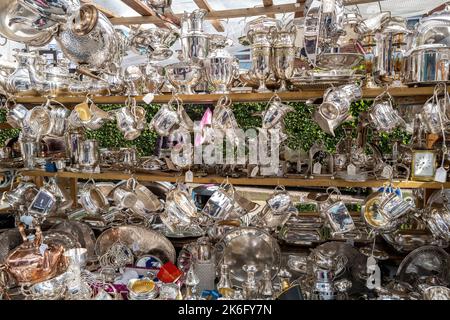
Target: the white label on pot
pixel 42 248
pixel 254 171
pixel 441 175
pixel 351 170
pixel 28 220
pixel 317 168
pixel 148 98
pixel 189 176
pixel 387 172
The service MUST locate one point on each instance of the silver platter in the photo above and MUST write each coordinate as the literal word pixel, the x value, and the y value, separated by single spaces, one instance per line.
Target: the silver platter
pixel 140 240
pixel 249 246
pixel 194 232
pixel 83 234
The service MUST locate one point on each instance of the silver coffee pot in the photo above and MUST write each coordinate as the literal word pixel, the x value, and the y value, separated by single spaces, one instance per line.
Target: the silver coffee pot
pixel 23 81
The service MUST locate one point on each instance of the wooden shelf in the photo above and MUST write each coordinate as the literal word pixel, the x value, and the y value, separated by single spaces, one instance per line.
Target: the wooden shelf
pixel 236 97
pixel 290 181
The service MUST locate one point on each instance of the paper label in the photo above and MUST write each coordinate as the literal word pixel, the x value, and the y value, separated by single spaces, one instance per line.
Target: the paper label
pixel 351 169
pixel 135 247
pixel 42 248
pixel 28 220
pixel 441 175
pixel 254 171
pixel 374 279
pixel 387 172
pixel 317 168
pixel 148 98
pixel 189 176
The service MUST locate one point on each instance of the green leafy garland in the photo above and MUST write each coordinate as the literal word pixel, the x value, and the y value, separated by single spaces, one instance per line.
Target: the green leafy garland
pixel 302 130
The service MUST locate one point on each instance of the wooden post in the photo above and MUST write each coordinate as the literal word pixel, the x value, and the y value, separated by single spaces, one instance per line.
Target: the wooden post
pixel 74 191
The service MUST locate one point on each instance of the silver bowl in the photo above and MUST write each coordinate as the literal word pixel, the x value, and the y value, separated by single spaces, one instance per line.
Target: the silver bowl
pixel 184 76
pixel 154 42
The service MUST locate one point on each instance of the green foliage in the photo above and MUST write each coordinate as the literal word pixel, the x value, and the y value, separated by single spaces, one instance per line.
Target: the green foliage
pixel 110 137
pixel 300 127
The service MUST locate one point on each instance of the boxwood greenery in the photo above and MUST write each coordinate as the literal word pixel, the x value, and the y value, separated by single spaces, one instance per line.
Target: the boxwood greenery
pixel 302 130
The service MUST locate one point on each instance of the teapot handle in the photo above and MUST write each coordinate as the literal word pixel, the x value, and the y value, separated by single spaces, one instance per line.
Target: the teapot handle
pixel 38 236
pixel 21 228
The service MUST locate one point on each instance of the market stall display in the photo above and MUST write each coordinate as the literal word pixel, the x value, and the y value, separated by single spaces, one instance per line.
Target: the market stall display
pixel 108 224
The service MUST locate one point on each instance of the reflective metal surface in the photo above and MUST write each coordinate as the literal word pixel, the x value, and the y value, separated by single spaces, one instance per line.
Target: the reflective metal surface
pixel 140 240
pixel 249 246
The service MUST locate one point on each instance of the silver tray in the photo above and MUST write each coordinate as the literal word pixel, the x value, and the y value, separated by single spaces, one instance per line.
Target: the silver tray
pixel 83 233
pixel 194 232
pixel 140 240
pixel 425 261
pixel 248 246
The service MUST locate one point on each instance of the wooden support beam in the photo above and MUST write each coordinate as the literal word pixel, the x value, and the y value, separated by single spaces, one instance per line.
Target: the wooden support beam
pixel 269 3
pixel 299 14
pixel 222 14
pixel 143 10
pixel 412 94
pixel 290 180
pixel 108 13
pixel 202 4
pixel 355 2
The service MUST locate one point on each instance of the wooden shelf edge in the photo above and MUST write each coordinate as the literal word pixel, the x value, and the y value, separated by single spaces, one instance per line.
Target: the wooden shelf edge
pixel 291 181
pixel 368 93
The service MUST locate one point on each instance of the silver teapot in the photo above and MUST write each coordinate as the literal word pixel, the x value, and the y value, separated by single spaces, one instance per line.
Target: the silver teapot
pixel 91 40
pixel 24 80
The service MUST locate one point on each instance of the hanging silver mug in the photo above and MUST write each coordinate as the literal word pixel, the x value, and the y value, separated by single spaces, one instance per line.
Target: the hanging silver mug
pixel 382 114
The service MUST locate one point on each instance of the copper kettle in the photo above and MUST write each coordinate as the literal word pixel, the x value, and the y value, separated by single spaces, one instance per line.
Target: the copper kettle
pixel 31 262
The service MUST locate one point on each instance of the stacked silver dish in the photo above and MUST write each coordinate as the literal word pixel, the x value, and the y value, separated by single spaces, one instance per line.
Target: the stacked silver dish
pixel 427 60
pixel 142 289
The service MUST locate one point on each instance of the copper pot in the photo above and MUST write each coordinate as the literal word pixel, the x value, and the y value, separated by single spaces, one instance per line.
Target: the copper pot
pixel 27 265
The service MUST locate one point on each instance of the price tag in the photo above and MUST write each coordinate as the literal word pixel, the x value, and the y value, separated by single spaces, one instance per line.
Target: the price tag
pixel 189 176
pixel 351 169
pixel 148 98
pixel 254 172
pixel 28 220
pixel 441 175
pixel 42 248
pixel 387 172
pixel 317 168
pixel 372 268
